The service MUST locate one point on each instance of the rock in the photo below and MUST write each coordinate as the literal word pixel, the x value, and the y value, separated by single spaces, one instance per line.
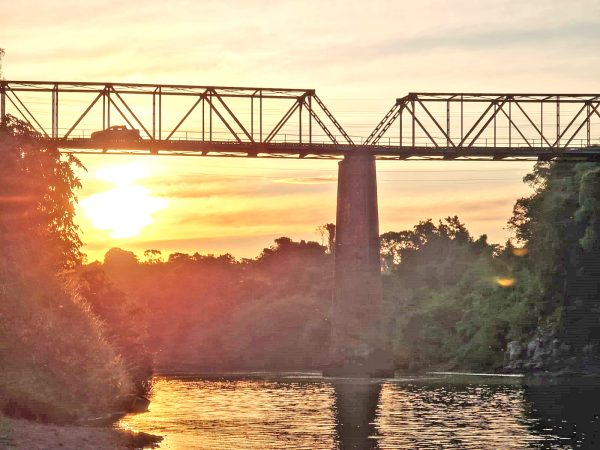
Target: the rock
pixel 514 350
pixel 564 348
pixel 572 361
pixel 533 347
pixel 135 403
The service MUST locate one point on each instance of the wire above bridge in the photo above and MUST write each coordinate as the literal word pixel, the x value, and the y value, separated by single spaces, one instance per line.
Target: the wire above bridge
pixel 133 118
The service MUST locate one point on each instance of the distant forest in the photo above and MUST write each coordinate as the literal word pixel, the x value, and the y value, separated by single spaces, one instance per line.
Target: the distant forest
pixel 452 301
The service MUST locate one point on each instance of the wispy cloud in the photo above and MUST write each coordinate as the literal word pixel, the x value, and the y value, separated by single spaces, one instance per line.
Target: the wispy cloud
pixel 307 180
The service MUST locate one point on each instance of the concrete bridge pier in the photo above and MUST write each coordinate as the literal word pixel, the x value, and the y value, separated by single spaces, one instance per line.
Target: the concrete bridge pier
pixel 356 347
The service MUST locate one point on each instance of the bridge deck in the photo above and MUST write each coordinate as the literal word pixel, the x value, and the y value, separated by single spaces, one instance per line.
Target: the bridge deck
pixel 318 151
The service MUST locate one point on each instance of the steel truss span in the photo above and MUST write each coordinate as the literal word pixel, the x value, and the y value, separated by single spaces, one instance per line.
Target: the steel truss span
pixel 291 123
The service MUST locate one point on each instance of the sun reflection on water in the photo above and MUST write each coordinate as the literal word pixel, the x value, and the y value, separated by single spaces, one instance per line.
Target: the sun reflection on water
pixel 296 413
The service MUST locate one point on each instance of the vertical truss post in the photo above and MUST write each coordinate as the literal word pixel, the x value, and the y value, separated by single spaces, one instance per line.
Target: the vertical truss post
pixel 461 118
pixel 103 111
pixel 588 114
pixel 154 115
pixel 557 121
pixel 108 102
pixel 414 117
pixel 160 113
pixel 260 114
pixel 252 116
pixel 210 116
pixel 300 101
pixel 448 123
pixel 509 123
pixel 55 112
pixel 310 119
pixel 203 119
pixel 400 123
pixel 495 123
pixel 541 122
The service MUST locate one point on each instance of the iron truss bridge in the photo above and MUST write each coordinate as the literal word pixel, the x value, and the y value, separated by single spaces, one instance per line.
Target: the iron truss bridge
pixel 271 122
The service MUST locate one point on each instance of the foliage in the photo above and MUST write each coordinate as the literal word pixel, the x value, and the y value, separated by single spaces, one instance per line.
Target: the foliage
pixel 450 300
pixel 38 198
pixel 55 360
pixel 209 312
pixel 560 225
pixel 123 323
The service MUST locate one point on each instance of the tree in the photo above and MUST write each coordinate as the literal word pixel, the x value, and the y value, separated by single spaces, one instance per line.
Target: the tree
pixel 57 363
pixel 38 186
pixel 327 232
pixel 153 256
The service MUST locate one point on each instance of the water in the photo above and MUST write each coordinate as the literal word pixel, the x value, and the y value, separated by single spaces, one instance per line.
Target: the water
pixel 302 412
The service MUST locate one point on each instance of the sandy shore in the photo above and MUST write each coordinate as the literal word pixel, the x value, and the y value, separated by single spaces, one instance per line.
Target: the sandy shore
pixel 22 434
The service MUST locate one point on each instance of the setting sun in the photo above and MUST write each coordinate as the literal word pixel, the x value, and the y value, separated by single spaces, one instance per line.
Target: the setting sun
pixel 127 208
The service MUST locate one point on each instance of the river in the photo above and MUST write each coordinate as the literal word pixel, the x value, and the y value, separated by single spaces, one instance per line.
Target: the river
pixel 309 412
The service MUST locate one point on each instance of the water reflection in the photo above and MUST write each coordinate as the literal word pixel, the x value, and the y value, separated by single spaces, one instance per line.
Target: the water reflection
pixel 316 413
pixel 239 414
pixel 356 406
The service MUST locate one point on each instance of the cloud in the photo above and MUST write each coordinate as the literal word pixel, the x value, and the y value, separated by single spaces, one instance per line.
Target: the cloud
pixel 308 180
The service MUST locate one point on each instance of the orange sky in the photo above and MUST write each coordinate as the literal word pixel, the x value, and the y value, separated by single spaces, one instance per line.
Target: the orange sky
pixel 358 58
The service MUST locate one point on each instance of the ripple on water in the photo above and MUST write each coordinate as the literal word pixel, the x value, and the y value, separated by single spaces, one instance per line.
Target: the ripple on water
pixel 195 413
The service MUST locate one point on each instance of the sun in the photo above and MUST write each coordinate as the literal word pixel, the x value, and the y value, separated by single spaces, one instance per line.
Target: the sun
pixel 127 209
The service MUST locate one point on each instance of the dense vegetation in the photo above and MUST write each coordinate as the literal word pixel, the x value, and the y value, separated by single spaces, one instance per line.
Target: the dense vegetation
pixel 216 313
pixel 451 300
pixel 57 361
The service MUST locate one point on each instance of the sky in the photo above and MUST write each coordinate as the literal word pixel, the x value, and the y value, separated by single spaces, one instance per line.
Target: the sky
pixel 358 56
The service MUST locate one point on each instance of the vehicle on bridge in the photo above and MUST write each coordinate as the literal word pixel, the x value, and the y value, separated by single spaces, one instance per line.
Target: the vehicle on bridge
pixel 117 133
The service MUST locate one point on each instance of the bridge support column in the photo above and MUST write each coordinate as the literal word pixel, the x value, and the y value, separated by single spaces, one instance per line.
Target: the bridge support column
pixel 355 347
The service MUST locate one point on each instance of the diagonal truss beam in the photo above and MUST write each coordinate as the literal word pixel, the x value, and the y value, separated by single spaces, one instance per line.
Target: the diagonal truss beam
pixel 384 125
pixel 81 117
pixel 515 126
pixel 416 119
pixel 448 139
pixel 201 98
pixel 14 94
pixel 586 121
pixel 140 124
pixel 216 111
pixel 333 120
pixel 290 112
pixel 511 119
pixel 235 119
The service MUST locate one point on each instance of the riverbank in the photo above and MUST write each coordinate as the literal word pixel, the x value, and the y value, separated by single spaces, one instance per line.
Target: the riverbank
pixel 26 435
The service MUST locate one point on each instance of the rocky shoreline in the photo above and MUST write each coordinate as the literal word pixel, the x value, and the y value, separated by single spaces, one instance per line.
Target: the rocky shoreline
pixel 549 354
pixel 27 435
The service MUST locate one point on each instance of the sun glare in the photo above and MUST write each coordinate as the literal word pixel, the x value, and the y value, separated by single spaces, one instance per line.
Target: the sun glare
pixel 127 209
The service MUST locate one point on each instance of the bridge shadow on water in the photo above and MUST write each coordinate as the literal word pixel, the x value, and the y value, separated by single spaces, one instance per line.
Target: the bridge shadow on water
pixel 356 406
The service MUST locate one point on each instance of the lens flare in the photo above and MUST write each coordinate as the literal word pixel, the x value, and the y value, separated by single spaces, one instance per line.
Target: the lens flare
pixel 505 281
